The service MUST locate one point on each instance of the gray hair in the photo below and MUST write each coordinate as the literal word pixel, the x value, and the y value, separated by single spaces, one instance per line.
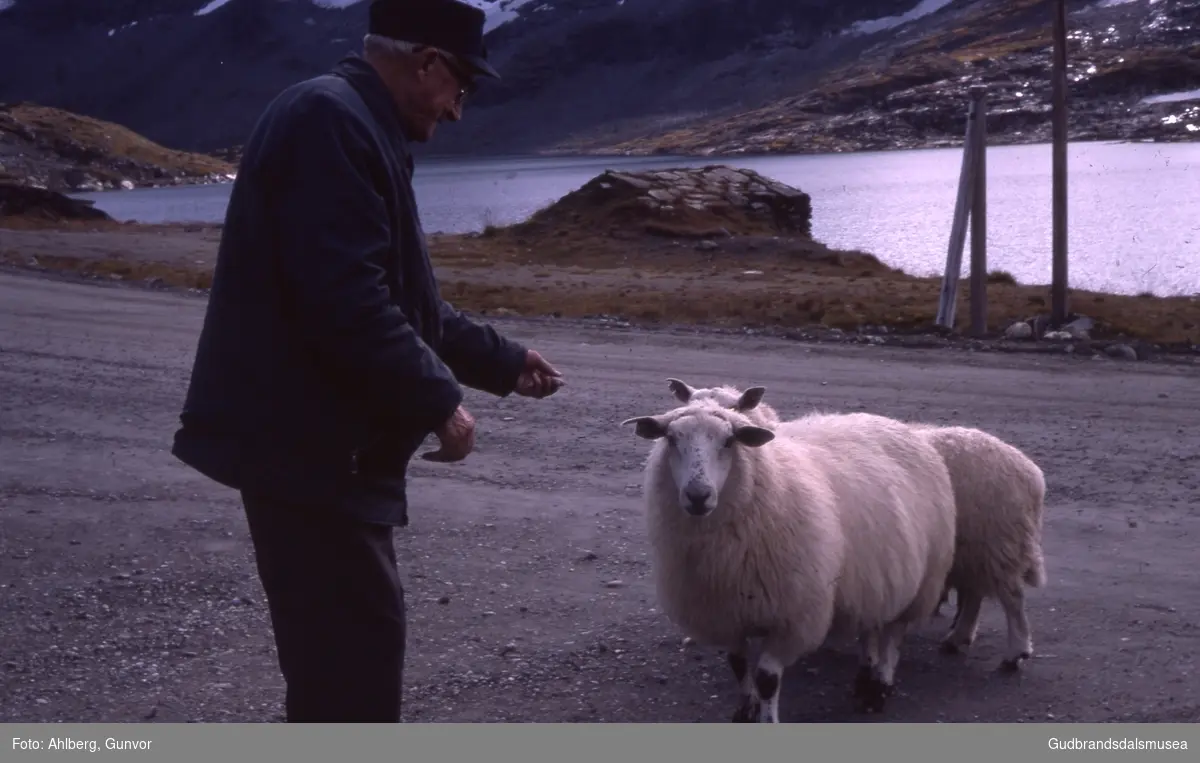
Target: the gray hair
pixel 385 46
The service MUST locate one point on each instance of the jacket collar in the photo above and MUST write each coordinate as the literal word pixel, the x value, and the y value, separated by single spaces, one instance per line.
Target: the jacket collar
pixel 363 78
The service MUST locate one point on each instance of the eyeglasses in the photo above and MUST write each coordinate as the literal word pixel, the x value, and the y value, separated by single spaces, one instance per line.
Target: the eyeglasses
pixel 465 80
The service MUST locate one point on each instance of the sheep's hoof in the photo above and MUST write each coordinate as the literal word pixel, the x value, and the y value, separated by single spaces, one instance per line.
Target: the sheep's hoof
pixel 1013 664
pixel 870 693
pixel 747 713
pixel 875 701
pixel 949 647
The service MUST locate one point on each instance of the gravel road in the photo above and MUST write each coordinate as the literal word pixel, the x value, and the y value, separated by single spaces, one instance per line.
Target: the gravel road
pixel 127 588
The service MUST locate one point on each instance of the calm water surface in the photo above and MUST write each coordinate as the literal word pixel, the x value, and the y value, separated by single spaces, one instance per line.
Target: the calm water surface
pixel 1134 209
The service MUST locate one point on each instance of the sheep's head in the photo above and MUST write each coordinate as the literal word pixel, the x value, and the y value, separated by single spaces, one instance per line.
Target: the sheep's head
pixel 700 449
pixel 726 397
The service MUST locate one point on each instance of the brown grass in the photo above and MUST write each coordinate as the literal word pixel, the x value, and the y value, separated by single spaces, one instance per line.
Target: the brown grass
pixel 998 46
pixel 866 86
pixel 643 278
pixel 833 303
pixel 38 223
pixel 1166 69
pixel 115 268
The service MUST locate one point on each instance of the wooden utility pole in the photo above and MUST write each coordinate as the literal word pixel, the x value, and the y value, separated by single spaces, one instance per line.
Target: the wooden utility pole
pixel 979 268
pixel 968 184
pixel 1058 287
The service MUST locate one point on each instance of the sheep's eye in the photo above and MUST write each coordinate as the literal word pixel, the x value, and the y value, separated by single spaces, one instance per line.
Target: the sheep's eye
pixel 729 441
pixel 671 440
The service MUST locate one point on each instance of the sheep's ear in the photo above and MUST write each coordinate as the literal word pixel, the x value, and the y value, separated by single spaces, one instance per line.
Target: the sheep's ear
pixel 683 393
pixel 754 437
pixel 751 398
pixel 648 427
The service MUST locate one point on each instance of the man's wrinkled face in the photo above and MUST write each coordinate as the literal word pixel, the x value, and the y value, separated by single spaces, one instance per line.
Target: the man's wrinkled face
pixel 443 83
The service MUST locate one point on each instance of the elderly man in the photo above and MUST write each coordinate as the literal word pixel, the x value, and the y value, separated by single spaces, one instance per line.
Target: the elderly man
pixel 327 355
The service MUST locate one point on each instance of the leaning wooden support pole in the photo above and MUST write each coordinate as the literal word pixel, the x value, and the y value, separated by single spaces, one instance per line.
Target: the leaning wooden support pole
pixel 979 266
pixel 958 230
pixel 1058 286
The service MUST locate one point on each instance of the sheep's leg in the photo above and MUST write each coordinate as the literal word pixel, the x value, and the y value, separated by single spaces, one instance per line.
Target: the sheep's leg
pixel 937 611
pixel 958 605
pixel 875 681
pixel 768 680
pixel 868 652
pixel 751 705
pixel 889 658
pixel 958 608
pixel 966 622
pixel 868 666
pixel 1020 642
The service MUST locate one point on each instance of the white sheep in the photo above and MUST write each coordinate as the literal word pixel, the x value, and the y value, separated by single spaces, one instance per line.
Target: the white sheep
pixel 845 526
pixel 748 402
pixel 999 496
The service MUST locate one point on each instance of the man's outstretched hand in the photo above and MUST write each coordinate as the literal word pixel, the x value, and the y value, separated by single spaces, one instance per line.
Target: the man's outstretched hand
pixel 539 378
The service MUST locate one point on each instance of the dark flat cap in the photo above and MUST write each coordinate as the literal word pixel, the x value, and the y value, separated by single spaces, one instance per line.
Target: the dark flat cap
pixel 450 25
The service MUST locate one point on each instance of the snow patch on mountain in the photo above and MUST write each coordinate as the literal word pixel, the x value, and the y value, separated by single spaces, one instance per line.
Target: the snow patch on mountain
pixel 210 7
pixel 922 9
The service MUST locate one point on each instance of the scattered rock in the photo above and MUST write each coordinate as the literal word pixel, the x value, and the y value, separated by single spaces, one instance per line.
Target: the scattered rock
pixel 714 201
pixel 1019 330
pixel 1121 352
pixel 1079 328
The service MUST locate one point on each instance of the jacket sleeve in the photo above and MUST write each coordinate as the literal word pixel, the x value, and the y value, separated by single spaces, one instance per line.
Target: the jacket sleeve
pixel 333 235
pixel 479 355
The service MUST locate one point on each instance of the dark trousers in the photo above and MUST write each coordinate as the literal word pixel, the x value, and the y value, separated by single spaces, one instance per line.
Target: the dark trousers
pixel 337 609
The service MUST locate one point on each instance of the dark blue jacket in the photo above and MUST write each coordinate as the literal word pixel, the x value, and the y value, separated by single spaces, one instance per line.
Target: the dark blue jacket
pixel 327 355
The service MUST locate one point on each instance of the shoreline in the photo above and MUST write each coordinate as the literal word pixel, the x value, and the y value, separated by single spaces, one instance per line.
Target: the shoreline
pixel 483 275
pixel 716 155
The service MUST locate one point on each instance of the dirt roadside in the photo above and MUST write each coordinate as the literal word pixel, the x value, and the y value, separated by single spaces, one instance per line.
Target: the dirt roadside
pixel 129 592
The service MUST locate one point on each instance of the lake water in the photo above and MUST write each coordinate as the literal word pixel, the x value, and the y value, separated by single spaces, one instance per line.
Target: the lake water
pixel 1134 208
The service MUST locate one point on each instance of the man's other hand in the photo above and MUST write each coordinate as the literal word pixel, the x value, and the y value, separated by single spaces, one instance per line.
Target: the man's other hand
pixel 457 436
pixel 539 378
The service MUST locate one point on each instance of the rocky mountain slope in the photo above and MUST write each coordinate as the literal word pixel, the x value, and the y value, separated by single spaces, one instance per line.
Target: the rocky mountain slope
pixel 1133 74
pixel 42 147
pixel 629 75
